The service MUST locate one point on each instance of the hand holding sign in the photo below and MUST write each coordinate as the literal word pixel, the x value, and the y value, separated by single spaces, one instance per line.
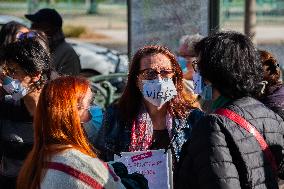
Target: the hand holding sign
pixel 154 165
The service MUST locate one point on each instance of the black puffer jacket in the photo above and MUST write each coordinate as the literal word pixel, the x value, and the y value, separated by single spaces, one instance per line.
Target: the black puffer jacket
pixel 222 155
pixel 274 99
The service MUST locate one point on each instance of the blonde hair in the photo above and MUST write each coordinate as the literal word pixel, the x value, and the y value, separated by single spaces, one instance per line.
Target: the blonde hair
pixel 190 41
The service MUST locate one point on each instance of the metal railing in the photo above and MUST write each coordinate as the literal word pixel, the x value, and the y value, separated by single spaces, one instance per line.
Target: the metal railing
pixel 108 88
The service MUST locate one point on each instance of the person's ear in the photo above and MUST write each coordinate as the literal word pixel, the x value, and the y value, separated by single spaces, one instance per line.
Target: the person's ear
pixel 37 80
pixel 36 77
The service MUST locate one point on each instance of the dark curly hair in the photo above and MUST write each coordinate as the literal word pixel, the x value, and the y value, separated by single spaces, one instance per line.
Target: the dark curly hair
pixel 229 60
pixel 31 54
pixel 131 100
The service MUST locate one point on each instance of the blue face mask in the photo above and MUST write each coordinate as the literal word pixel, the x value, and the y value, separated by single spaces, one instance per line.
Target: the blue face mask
pixel 207 92
pixel 14 88
pixel 97 115
pixel 93 126
pixel 182 62
pixel 204 90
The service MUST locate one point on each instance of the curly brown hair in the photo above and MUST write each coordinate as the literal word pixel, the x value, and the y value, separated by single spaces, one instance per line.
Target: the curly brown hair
pixel 131 100
pixel 270 67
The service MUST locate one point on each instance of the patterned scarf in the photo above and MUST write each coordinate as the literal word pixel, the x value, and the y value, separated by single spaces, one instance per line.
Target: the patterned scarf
pixel 142 131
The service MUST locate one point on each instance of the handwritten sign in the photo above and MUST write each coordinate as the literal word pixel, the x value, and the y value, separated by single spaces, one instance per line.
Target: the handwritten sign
pixel 155 165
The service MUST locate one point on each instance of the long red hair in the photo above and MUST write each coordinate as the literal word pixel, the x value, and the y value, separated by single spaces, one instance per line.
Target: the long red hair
pixel 56 121
pixel 131 99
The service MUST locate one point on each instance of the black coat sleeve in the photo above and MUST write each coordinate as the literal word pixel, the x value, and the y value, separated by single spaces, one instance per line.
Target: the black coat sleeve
pixel 208 163
pixel 108 135
pixel 101 140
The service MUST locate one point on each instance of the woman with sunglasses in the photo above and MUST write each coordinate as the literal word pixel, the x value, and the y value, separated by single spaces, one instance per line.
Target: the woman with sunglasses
pixel 153 112
pixel 25 68
pixel 10 32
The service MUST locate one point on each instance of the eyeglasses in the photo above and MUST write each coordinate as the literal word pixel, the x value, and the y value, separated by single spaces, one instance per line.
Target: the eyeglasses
pixel 195 65
pixel 27 35
pixel 150 74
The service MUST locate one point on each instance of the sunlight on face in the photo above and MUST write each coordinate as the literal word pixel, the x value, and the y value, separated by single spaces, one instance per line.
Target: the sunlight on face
pixel 155 62
pixel 21 31
pixel 84 107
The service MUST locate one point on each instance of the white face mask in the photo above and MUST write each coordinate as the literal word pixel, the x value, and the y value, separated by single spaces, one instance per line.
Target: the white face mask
pixel 158 92
pixel 198 83
pixel 14 88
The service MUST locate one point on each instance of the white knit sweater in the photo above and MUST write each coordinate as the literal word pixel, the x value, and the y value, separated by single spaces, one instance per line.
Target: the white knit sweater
pixel 78 162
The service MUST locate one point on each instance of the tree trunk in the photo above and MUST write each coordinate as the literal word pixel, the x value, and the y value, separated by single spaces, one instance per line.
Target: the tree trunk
pixel 93 7
pixel 250 19
pixel 50 1
pixel 32 6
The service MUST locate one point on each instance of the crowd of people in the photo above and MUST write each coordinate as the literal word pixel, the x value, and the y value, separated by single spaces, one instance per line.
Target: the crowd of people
pixel 217 106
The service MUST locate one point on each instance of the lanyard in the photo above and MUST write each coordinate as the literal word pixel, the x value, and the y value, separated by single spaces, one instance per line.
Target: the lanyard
pixel 251 129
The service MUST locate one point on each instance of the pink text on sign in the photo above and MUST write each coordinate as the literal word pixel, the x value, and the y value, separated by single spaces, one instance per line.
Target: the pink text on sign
pixel 141 156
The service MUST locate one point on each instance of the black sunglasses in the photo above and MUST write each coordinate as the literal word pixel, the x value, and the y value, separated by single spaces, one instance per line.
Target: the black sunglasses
pixel 27 35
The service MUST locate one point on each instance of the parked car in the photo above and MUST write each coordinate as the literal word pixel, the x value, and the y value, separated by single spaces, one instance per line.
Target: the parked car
pixel 96 60
pixel 106 68
pixel 8 18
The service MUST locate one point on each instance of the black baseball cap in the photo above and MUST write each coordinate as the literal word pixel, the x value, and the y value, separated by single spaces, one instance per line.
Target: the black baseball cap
pixel 46 15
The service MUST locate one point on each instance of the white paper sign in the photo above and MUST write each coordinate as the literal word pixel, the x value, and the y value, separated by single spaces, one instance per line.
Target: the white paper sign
pixel 155 165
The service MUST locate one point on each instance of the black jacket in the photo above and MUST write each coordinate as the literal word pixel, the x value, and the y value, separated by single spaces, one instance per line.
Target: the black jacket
pixel 274 99
pixel 16 140
pixel 65 59
pixel 222 155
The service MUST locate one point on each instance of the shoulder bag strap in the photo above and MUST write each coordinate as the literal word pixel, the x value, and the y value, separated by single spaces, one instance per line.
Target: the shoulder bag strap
pixel 251 129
